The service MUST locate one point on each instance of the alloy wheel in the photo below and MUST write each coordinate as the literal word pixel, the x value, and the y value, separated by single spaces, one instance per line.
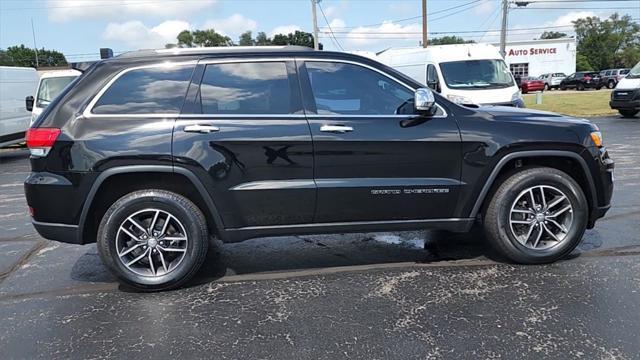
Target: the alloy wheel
pixel 541 217
pixel 151 242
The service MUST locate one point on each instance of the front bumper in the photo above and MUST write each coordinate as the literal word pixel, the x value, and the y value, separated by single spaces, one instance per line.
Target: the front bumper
pixel 603 181
pixel 625 104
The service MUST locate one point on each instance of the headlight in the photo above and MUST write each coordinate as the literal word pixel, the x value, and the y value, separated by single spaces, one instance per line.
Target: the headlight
pixel 517 96
pixel 460 99
pixel 596 136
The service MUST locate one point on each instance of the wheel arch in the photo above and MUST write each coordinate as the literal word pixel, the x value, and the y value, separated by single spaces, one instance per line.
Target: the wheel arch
pixel 538 157
pixel 199 195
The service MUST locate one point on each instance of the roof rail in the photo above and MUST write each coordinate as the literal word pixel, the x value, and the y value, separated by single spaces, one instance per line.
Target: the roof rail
pixel 213 50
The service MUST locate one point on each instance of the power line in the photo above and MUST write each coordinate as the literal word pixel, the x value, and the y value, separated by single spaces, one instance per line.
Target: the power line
pixel 412 17
pixel 329 26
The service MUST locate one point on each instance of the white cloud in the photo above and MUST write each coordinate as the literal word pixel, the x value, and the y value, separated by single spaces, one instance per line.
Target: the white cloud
pixel 284 29
pixel 568 18
pixel 66 10
pixel 232 26
pixel 386 33
pixel 337 24
pixel 135 34
pixel 485 7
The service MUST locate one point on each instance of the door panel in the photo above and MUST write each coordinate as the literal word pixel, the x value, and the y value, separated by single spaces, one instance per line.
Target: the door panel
pixel 252 145
pixel 376 167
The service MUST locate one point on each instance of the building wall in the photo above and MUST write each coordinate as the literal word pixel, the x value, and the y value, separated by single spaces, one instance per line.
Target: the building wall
pixel 543 56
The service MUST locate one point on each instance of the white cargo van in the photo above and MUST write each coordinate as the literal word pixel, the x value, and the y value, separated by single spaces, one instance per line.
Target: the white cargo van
pixel 16 83
pixel 470 74
pixel 51 85
pixel 626 96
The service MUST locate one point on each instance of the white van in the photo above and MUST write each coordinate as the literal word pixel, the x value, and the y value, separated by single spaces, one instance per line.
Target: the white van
pixel 470 74
pixel 51 85
pixel 626 96
pixel 16 83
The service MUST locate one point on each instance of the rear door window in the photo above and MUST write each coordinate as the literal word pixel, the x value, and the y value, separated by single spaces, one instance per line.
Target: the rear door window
pixel 246 88
pixel 151 90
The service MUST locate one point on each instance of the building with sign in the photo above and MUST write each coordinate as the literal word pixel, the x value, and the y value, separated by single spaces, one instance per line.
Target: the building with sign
pixel 537 57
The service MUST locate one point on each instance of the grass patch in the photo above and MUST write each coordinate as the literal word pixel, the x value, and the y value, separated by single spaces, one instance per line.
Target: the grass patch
pixel 583 103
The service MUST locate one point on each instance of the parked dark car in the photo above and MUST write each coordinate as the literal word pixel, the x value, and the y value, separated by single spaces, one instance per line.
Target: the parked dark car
pixel 150 153
pixel 531 84
pixel 611 77
pixel 581 81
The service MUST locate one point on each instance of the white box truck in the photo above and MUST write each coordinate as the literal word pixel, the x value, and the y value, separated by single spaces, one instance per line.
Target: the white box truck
pixel 16 83
pixel 468 74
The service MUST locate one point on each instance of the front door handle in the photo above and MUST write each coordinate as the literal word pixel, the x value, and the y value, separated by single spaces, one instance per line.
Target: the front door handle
pixel 203 129
pixel 338 129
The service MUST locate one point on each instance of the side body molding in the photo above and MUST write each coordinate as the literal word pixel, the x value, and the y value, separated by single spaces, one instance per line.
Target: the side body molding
pixel 150 168
pixel 529 154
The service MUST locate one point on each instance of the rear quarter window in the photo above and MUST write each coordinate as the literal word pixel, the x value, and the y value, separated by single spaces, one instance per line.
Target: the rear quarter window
pixel 151 90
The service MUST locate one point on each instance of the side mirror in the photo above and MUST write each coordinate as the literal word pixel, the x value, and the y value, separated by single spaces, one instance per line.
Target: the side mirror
pixel 424 100
pixel 29 100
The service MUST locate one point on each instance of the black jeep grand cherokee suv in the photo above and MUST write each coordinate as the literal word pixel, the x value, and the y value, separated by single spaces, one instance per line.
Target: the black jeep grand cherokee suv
pixel 152 152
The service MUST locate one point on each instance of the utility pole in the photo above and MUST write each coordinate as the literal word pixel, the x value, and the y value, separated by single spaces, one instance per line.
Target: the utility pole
pixel 503 31
pixel 33 32
pixel 316 42
pixel 425 38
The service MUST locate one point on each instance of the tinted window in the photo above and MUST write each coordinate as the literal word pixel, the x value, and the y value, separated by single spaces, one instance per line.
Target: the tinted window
pixel 624 71
pixel 349 89
pixel 246 88
pixel 153 90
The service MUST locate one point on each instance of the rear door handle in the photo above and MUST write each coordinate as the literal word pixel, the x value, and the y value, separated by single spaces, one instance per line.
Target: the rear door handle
pixel 338 129
pixel 203 129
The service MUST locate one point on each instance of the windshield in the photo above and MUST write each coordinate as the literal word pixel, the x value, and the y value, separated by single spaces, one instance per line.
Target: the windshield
pixel 50 88
pixel 635 72
pixel 476 74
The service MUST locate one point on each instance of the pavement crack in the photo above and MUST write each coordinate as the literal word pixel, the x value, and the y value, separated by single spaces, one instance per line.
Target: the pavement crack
pixel 23 260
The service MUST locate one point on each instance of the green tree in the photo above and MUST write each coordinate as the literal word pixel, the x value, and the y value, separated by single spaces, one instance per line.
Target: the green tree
pixel 552 35
pixel 262 39
pixel 185 39
pixel 24 56
pixel 201 38
pixel 447 40
pixel 582 63
pixel 299 38
pixel 246 39
pixel 602 42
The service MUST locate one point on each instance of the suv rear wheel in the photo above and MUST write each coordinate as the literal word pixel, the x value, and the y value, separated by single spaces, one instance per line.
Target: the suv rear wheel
pixel 153 239
pixel 537 215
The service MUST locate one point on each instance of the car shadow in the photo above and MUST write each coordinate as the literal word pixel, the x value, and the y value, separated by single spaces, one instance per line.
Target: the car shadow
pixel 13 154
pixel 292 253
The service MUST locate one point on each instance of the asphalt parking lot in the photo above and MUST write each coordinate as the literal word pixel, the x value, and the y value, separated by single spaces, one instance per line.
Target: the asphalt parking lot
pixel 385 295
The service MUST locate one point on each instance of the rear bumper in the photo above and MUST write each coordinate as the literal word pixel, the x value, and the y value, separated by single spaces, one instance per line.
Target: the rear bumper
pixel 58 232
pixel 625 104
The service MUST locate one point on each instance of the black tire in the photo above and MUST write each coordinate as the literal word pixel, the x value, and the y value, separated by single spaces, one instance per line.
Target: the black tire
pixel 580 87
pixel 563 88
pixel 546 87
pixel 598 87
pixel 497 215
pixel 185 211
pixel 628 113
pixel 611 84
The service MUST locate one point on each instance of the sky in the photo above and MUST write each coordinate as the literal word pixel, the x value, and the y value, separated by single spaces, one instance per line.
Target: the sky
pixel 78 28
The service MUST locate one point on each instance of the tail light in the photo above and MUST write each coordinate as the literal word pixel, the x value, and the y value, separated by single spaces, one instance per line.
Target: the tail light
pixel 587 78
pixel 40 140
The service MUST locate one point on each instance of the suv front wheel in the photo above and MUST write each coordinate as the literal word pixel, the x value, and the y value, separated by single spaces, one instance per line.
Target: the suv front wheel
pixel 537 215
pixel 153 240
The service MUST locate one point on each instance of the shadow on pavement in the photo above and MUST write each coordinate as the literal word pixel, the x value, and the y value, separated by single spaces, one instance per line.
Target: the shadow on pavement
pixel 312 252
pixel 13 154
